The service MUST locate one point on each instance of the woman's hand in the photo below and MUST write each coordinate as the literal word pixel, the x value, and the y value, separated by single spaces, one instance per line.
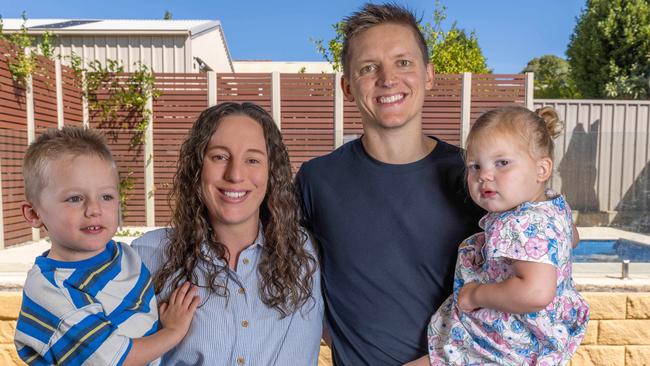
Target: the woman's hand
pixel 466 296
pixel 177 313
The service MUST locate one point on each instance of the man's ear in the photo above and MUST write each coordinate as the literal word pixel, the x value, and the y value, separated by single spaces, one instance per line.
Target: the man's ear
pixel 31 215
pixel 345 86
pixel 429 78
pixel 544 169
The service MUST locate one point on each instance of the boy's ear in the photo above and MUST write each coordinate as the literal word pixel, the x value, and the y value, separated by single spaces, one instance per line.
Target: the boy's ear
pixel 30 215
pixel 544 169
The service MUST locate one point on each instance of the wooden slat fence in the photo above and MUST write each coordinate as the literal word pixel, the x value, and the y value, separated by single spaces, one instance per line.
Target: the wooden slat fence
pixel 307 115
pixel 13 142
pixel 119 132
pixel 492 91
pixel 441 112
pixel 72 97
pixel 183 97
pixel 255 88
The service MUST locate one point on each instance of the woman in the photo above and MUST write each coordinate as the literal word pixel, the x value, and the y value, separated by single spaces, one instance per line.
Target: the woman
pixel 235 234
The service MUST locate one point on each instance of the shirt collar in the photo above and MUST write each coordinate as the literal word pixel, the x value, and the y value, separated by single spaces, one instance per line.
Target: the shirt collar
pixel 260 241
pixel 257 243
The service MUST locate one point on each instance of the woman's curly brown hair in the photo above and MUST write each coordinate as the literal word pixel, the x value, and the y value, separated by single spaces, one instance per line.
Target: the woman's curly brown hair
pixel 286 268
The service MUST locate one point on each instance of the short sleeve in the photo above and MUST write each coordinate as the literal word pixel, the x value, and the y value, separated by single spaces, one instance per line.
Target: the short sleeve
pixel 527 234
pixel 83 336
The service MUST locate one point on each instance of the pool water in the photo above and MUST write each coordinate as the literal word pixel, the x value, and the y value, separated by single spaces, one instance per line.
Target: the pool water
pixel 611 251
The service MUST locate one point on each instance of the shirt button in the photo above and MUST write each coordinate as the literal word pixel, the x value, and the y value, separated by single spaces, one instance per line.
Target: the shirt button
pixel 241 290
pixel 244 323
pixel 246 261
pixel 240 360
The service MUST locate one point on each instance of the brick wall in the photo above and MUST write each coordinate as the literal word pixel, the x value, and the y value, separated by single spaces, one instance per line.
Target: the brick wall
pixel 618 333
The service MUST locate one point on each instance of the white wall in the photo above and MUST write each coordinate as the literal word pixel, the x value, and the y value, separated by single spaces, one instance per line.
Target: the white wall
pixel 210 47
pixel 162 53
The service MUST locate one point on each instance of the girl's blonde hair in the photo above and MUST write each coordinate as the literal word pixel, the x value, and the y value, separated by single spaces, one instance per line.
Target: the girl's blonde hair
pixel 536 129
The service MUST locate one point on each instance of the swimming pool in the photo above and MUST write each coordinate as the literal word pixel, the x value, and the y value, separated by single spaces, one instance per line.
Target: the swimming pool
pixel 594 251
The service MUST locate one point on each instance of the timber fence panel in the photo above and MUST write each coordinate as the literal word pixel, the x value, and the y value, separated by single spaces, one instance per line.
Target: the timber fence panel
pixel 441 115
pixel 491 91
pixel 307 105
pixel 44 87
pixel 120 133
pixel 603 157
pixel 72 97
pixel 13 143
pixel 254 87
pixel 183 97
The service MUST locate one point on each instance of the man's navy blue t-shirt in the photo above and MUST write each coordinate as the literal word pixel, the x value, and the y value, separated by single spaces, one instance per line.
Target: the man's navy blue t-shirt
pixel 388 237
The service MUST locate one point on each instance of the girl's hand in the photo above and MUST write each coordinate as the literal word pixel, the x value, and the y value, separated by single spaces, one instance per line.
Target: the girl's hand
pixel 466 295
pixel 176 314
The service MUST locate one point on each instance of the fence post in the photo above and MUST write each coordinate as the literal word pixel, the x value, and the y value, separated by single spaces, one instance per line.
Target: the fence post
pixel 465 107
pixel 212 88
pixel 59 93
pixel 338 110
pixel 149 189
pixel 84 102
pixel 31 127
pixel 530 90
pixel 276 98
pixel 2 223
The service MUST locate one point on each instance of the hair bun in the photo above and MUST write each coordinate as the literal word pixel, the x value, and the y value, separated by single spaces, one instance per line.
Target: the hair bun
pixel 552 121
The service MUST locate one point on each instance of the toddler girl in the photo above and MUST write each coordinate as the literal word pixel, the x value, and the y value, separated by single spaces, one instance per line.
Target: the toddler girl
pixel 514 301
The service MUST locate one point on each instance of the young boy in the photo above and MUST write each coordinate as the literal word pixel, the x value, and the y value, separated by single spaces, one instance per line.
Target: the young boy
pixel 88 300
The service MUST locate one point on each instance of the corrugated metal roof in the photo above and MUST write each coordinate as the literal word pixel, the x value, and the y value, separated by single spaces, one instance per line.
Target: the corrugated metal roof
pixel 111 25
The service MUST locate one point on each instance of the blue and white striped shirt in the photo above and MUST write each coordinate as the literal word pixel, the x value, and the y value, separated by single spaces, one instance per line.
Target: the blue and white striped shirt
pixel 85 312
pixel 241 329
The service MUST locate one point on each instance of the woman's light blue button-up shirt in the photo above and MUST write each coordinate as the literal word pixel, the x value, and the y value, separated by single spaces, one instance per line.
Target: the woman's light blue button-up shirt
pixel 241 330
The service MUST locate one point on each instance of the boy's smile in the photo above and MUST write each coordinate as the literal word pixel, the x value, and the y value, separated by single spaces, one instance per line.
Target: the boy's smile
pixel 78 206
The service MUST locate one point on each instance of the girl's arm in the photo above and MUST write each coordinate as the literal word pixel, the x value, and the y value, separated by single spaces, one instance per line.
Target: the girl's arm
pixel 175 316
pixel 530 289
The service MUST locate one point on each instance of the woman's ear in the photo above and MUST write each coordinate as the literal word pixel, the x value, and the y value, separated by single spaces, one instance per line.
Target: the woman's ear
pixel 31 215
pixel 544 169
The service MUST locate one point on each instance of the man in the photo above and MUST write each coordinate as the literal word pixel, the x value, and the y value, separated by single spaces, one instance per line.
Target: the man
pixel 389 209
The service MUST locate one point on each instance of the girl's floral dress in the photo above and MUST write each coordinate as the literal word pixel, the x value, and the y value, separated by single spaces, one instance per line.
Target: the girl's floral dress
pixel 533 231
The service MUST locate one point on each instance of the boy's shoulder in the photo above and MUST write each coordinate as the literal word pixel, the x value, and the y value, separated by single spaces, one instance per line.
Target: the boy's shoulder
pixel 59 284
pixel 43 289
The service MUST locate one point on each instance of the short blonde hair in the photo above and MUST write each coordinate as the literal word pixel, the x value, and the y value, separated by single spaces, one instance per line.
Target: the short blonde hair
pixel 54 144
